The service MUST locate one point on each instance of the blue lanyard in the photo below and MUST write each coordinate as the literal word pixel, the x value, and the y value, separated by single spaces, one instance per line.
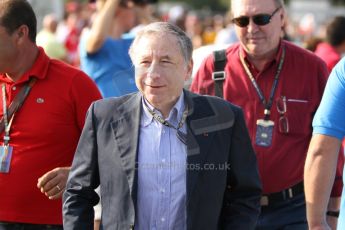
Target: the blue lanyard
pixel 268 105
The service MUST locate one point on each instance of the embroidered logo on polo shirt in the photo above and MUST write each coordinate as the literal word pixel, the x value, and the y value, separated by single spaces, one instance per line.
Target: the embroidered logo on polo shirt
pixel 40 100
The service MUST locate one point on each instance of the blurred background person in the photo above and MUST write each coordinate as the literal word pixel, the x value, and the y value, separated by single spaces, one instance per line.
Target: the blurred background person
pixel 177 16
pixel 311 43
pixel 332 49
pixel 193 27
pixel 209 32
pixel 47 39
pixel 69 29
pixel 72 38
pixel 145 16
pixel 226 35
pixel 104 47
pixel 307 26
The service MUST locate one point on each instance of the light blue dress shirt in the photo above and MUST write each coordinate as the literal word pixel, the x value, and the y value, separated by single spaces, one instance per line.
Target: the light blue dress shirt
pixel 161 198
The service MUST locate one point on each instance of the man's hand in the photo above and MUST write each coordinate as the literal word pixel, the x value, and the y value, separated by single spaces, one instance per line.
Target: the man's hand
pixel 53 183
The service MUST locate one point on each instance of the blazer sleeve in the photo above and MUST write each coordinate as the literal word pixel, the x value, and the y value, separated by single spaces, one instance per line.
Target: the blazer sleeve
pixel 79 196
pixel 241 205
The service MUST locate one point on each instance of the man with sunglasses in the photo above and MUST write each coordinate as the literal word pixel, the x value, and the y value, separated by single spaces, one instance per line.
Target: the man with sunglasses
pixel 279 86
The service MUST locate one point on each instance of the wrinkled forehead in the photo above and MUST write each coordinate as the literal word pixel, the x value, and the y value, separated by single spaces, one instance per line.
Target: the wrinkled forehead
pixel 251 7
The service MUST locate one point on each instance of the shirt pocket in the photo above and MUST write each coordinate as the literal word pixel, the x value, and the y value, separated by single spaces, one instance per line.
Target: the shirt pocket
pixel 299 115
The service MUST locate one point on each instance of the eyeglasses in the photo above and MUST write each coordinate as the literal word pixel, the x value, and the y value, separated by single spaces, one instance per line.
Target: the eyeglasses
pixel 283 120
pixel 259 19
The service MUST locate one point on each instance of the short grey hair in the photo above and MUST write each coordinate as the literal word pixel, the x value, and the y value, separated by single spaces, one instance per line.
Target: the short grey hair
pixel 184 41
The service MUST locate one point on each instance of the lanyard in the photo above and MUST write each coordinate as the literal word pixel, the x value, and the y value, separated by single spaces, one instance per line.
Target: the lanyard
pixel 180 135
pixel 14 106
pixel 6 123
pixel 268 104
pixel 165 122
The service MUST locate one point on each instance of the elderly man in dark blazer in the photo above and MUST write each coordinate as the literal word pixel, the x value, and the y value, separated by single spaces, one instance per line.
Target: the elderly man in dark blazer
pixel 164 158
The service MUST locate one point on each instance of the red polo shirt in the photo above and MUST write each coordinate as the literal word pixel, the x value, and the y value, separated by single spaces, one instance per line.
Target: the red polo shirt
pixel 302 81
pixel 44 135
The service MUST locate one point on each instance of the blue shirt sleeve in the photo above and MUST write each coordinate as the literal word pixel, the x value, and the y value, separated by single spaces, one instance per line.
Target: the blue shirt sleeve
pixel 330 116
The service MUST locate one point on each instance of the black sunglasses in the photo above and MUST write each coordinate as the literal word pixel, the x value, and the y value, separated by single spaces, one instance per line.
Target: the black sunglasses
pixel 259 19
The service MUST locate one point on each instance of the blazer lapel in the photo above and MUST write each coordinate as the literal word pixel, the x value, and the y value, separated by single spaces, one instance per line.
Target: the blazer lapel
pixel 126 132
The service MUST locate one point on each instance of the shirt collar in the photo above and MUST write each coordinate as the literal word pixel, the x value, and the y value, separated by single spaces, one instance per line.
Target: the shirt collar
pixel 175 114
pixel 39 69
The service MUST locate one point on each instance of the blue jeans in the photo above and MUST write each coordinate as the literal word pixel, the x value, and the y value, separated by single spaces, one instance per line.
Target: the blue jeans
pixel 22 226
pixel 286 215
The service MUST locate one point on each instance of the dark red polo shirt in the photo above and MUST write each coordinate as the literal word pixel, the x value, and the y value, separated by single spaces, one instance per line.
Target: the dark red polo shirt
pixel 44 135
pixel 302 81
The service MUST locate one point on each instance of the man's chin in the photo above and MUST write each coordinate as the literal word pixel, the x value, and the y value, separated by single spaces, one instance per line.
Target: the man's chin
pixel 255 51
pixel 154 99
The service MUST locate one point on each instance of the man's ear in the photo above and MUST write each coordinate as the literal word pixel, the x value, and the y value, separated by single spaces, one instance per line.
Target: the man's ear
pixel 22 32
pixel 189 69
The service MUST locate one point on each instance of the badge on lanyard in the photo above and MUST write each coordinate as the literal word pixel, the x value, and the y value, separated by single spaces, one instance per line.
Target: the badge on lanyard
pixel 264 132
pixel 264 127
pixel 6 150
pixel 5 158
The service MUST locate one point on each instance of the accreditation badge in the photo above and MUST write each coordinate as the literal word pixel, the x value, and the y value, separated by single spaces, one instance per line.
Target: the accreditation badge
pixel 264 132
pixel 5 158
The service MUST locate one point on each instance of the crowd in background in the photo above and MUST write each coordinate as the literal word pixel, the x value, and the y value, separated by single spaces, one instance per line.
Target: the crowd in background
pixel 105 40
pixel 203 26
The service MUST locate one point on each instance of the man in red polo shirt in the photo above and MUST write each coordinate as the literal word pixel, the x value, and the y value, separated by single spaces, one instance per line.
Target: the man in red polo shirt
pixel 43 103
pixel 279 86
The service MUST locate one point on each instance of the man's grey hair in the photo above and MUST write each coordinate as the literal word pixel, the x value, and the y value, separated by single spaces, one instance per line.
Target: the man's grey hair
pixel 184 41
